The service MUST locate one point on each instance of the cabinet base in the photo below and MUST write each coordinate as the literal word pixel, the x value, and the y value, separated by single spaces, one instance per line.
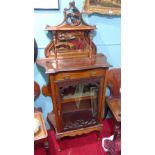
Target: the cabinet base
pixel 71 133
pixel 81 131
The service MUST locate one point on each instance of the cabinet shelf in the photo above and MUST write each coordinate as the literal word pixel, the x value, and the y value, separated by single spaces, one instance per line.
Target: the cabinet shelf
pixel 77 110
pixel 78 119
pixel 74 99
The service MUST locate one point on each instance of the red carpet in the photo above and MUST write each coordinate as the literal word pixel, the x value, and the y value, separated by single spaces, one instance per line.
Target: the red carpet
pixel 79 145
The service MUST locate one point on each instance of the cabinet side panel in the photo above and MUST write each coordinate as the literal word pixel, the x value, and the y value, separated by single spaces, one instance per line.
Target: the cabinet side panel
pixel 55 107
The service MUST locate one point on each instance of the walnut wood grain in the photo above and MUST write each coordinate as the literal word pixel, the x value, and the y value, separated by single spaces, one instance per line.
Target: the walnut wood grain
pixel 101 107
pixel 74 64
pixel 75 32
pixel 114 105
pixel 79 132
pixel 59 135
pixel 57 119
pixel 71 59
pixel 114 82
pixel 114 100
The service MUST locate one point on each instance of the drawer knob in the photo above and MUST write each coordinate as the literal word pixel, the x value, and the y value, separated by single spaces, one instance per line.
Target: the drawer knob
pixel 93 73
pixel 67 77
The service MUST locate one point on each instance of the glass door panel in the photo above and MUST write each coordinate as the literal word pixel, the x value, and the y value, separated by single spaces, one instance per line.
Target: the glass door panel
pixel 79 103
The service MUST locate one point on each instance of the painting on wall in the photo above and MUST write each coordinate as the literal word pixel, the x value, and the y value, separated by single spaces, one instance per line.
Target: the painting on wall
pixel 46 4
pixel 108 7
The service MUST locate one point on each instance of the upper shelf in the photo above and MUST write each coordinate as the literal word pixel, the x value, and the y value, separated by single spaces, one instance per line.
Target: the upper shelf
pixel 69 27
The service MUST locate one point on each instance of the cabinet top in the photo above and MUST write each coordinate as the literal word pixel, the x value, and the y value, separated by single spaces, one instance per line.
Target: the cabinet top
pixel 51 66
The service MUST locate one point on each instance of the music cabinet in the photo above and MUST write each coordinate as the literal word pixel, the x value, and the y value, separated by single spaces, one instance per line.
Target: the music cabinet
pixel 77 76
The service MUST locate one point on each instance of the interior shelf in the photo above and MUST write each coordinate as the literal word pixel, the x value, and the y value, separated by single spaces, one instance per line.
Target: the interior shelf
pixel 69 100
pixel 78 119
pixel 78 96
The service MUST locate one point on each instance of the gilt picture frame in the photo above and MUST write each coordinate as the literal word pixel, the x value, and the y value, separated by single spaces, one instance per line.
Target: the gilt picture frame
pixel 107 7
pixel 46 4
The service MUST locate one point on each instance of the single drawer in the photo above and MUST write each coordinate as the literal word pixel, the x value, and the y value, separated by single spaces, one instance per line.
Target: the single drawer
pixel 79 74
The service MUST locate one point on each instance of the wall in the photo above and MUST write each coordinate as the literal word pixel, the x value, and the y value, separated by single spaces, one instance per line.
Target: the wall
pixel 106 37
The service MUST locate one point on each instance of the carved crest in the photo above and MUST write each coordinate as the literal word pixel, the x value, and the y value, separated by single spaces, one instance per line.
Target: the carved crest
pixel 72 16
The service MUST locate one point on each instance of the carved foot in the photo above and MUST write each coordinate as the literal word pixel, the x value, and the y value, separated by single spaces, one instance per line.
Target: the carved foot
pixel 58 140
pixel 46 147
pixel 117 126
pixel 99 135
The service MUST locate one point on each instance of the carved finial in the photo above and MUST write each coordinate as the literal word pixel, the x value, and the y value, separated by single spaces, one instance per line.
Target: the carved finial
pixel 72 16
pixel 72 3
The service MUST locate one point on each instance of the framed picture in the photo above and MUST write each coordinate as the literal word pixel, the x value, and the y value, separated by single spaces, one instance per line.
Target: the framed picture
pixel 46 4
pixel 108 7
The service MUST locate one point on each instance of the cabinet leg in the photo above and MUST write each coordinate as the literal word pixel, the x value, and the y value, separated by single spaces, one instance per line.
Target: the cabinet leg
pixel 46 147
pixel 99 135
pixel 117 125
pixel 59 144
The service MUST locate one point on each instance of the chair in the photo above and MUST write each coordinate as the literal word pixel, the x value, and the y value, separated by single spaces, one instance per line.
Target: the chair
pixel 114 82
pixel 114 100
pixel 113 103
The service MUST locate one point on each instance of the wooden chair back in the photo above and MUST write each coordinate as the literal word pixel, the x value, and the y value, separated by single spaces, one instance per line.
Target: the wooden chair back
pixel 114 82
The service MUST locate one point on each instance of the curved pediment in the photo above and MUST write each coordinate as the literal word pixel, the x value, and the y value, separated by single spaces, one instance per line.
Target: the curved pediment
pixel 72 20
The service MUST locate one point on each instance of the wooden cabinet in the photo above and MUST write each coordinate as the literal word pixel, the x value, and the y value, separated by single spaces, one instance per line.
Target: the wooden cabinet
pixel 77 77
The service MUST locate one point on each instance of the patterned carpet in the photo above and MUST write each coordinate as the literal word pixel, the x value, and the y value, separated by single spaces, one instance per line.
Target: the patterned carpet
pixel 79 145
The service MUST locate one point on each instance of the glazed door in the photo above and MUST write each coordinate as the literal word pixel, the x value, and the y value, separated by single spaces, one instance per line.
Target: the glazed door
pixel 78 101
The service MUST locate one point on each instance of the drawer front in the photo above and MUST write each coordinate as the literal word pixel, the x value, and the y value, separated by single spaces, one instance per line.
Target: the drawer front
pixel 79 74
